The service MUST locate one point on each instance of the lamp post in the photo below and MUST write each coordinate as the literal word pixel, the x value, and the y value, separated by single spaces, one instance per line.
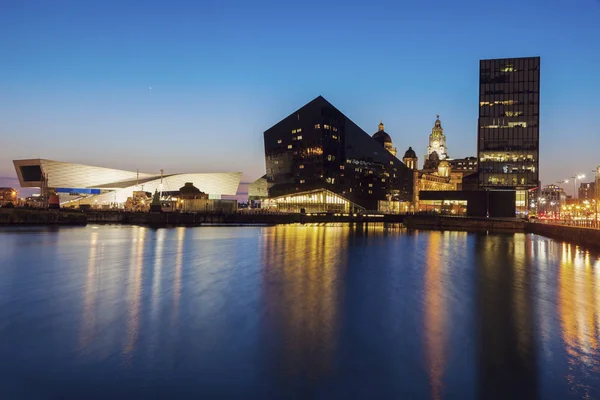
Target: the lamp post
pixel 576 177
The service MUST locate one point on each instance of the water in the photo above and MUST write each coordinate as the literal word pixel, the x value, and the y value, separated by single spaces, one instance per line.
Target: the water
pixel 295 312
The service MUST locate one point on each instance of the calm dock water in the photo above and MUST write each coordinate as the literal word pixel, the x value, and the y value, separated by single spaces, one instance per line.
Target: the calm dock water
pixel 295 312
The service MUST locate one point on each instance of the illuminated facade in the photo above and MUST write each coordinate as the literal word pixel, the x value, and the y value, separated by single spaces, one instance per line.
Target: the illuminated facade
pixel 410 159
pixel 508 129
pixel 552 197
pixel 91 185
pixel 317 148
pixel 7 195
pixel 467 164
pixel 587 191
pixel 597 186
pixel 315 201
pixel 436 151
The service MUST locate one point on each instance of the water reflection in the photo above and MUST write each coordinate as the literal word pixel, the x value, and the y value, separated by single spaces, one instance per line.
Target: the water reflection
pixel 177 277
pixel 136 266
pixel 89 296
pixel 363 311
pixel 435 315
pixel 579 311
pixel 301 267
pixel 505 339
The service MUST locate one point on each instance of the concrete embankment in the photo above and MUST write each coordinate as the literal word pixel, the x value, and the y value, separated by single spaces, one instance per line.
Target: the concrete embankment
pixel 22 216
pixel 464 224
pixel 587 237
pixel 183 219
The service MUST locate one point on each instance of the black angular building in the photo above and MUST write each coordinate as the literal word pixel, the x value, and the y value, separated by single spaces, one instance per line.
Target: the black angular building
pixel 508 129
pixel 317 159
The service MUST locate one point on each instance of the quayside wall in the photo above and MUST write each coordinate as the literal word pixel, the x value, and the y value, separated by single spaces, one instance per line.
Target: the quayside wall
pixel 22 216
pixel 587 237
pixel 465 224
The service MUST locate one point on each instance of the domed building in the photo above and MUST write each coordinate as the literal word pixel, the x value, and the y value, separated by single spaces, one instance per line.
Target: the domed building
pixel 382 137
pixel 410 159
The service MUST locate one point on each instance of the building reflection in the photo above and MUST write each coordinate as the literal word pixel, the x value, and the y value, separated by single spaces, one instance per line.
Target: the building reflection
pixel 435 314
pixel 134 291
pixel 89 296
pixel 177 278
pixel 301 267
pixel 506 347
pixel 579 313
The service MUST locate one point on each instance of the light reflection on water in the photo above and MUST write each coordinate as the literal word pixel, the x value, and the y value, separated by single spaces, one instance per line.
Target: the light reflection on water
pixel 297 311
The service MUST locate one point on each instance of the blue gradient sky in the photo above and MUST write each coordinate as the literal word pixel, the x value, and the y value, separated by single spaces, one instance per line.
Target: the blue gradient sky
pixel 75 76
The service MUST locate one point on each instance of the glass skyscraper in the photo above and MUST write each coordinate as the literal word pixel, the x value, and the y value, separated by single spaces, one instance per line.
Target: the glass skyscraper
pixel 508 129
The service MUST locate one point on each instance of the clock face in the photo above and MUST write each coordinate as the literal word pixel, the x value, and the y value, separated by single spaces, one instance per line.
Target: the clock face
pixel 435 143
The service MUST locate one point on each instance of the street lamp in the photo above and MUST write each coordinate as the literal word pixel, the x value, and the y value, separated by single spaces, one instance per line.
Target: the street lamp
pixel 576 177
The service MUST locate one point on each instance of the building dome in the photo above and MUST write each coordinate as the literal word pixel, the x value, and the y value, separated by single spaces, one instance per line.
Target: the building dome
pixel 410 153
pixel 382 137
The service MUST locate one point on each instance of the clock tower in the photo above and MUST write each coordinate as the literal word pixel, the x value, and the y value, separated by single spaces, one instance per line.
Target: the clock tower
pixel 436 151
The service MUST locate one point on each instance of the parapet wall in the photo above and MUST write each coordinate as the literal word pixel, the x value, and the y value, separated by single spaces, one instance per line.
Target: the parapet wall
pixel 587 237
pixel 464 224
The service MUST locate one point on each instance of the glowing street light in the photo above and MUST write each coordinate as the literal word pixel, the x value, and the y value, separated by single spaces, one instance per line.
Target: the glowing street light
pixel 576 177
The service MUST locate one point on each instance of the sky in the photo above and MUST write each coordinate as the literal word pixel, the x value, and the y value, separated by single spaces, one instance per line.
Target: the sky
pixel 190 86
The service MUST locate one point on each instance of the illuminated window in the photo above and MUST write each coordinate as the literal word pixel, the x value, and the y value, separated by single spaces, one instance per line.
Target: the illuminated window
pixel 326 126
pixel 370 172
pixel 334 136
pixel 341 167
pixel 334 129
pixel 370 192
pixel 302 180
pixel 519 124
pixel 382 179
pixel 289 146
pixel 293 131
pixel 279 141
pixel 300 137
pixel 370 185
pixel 508 68
pixel 301 166
pixel 298 130
pixel 513 113
pixel 276 161
pixel 318 126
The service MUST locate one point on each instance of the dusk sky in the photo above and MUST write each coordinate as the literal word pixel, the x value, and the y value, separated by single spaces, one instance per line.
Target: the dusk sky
pixel 190 86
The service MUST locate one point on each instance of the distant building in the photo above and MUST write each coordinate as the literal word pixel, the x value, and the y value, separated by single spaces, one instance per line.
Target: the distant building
pixel 551 198
pixel 317 159
pixel 437 150
pixel 440 179
pixel 384 139
pixel 410 159
pixel 258 191
pixel 467 164
pixel 508 129
pixel 78 184
pixel 597 186
pixel 587 191
pixel 8 195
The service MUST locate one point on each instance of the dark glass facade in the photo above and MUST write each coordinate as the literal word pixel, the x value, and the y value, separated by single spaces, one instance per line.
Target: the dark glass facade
pixel 508 131
pixel 318 147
